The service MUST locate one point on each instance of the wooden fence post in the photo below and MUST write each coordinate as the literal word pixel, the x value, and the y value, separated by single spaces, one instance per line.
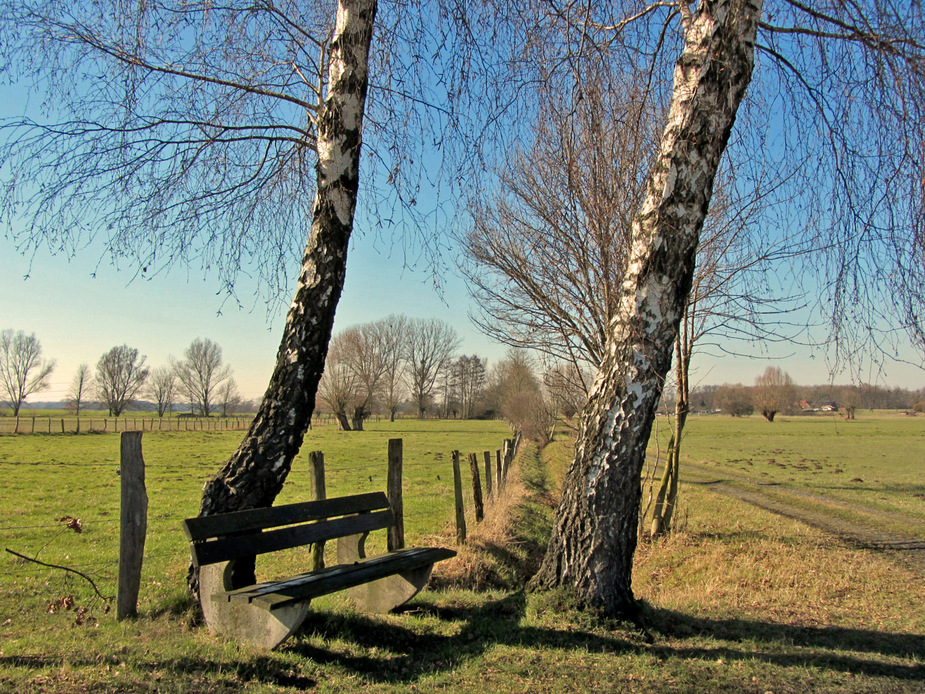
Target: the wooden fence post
pixel 488 484
pixel 498 470
pixel 476 488
pixel 508 457
pixel 134 524
pixel 460 509
pixel 396 538
pixel 318 492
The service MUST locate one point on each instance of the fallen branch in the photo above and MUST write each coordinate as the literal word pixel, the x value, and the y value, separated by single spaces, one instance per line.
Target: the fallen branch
pixel 63 568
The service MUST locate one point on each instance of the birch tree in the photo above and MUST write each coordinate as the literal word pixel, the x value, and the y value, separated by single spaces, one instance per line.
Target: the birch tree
pixel 594 535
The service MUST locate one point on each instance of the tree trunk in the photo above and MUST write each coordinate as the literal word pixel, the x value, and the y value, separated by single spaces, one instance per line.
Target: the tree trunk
pixel 594 536
pixel 255 473
pixel 343 424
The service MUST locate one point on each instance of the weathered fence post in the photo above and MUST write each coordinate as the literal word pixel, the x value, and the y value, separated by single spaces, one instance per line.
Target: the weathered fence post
pixel 476 488
pixel 460 509
pixel 508 456
pixel 396 538
pixel 134 524
pixel 318 492
pixel 488 484
pixel 498 470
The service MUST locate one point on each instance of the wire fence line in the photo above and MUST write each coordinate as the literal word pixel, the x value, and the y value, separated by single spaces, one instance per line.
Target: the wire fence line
pixel 96 424
pixel 46 424
pixel 169 523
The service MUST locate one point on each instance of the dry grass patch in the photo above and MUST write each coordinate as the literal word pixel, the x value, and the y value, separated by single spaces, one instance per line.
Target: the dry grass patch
pixel 504 550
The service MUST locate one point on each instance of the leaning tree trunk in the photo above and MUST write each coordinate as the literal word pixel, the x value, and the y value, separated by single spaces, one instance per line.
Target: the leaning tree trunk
pixel 594 536
pixel 255 473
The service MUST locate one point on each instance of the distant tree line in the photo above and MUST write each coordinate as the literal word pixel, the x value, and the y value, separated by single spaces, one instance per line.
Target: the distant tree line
pixel 200 381
pixel 413 366
pixel 772 393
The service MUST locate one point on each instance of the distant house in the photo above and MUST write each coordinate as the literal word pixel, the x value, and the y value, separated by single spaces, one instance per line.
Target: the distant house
pixel 829 406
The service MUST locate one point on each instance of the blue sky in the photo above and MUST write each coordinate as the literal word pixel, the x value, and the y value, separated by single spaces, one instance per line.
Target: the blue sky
pixel 80 307
pixel 78 316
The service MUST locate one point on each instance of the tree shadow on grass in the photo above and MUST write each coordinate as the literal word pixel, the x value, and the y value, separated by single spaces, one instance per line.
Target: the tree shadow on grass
pixel 391 653
pixel 787 645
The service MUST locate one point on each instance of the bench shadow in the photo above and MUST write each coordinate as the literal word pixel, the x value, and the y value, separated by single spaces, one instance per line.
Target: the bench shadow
pixel 391 653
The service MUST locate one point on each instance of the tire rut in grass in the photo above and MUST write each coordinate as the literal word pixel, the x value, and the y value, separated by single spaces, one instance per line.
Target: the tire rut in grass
pixel 903 549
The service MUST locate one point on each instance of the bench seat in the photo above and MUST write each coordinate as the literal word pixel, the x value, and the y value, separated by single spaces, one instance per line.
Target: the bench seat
pixel 274 594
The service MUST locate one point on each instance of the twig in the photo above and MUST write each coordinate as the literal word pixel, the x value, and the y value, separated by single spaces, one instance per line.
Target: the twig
pixel 63 568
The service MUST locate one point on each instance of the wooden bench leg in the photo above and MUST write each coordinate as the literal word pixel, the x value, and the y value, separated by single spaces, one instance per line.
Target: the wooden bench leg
pixel 243 621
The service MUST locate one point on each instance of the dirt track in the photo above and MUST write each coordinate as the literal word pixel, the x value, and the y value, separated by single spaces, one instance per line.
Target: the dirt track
pixel 905 550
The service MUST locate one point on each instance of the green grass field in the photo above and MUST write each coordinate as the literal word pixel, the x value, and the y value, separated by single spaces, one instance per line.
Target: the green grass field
pixel 738 599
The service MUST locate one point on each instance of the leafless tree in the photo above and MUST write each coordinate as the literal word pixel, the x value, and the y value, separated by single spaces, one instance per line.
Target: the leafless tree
pixel 338 386
pixel 202 373
pixel 393 330
pixel 162 387
pixel 773 392
pixel 547 253
pixel 80 387
pixel 469 379
pixel 567 385
pixel 22 369
pixel 228 397
pixel 364 351
pixel 734 399
pixel 429 347
pixel 120 375
pixel 547 247
pixel 815 57
pixel 520 396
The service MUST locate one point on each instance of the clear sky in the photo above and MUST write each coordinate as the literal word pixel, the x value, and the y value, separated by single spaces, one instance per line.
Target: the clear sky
pixel 80 308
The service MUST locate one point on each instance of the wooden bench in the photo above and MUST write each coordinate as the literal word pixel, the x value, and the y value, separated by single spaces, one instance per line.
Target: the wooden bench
pixel 224 547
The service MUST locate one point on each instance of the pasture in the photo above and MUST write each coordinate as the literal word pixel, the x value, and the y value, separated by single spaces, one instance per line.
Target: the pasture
pixel 738 599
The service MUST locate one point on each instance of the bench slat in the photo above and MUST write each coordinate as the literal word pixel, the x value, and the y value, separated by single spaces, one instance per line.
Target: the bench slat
pixel 250 544
pixel 273 594
pixel 204 527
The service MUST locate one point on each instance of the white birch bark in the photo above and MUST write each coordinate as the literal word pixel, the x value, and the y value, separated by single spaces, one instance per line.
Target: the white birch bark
pixel 594 538
pixel 253 476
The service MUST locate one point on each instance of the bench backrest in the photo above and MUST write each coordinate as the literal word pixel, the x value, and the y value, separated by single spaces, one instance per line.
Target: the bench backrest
pixel 227 536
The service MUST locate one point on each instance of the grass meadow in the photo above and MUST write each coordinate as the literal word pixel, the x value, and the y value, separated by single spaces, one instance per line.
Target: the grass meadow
pixel 738 599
